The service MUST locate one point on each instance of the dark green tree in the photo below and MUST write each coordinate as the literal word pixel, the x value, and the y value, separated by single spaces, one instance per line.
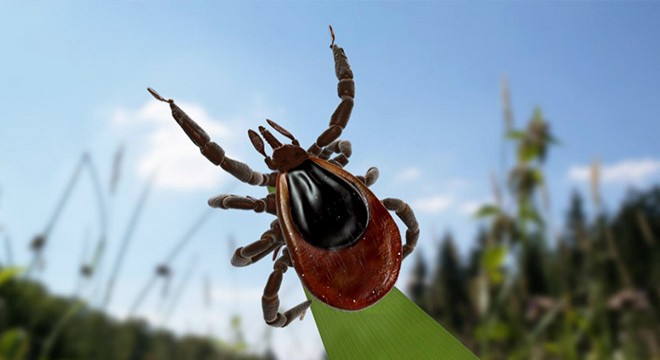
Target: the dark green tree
pixel 417 287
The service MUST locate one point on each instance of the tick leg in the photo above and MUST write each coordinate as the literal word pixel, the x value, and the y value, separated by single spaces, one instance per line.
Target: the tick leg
pixel 270 240
pixel 270 301
pixel 346 91
pixel 244 203
pixel 341 147
pixel 405 213
pixel 212 150
pixel 371 176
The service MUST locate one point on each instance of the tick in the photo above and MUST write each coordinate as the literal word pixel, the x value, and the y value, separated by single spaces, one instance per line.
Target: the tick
pixel 337 235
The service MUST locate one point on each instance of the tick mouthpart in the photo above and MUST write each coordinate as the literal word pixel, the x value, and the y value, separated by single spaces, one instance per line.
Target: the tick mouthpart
pixel 270 139
pixel 282 131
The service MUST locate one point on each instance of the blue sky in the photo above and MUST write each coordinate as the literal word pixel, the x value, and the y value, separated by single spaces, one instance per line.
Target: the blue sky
pixel 428 114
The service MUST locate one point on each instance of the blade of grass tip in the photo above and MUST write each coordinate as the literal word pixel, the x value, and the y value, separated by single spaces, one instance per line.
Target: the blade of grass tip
pixel 180 289
pixel 40 240
pixel 128 235
pixel 393 328
pixel 178 247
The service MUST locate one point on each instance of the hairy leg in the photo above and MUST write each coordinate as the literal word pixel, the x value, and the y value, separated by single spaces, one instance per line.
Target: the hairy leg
pixel 227 201
pixel 269 242
pixel 370 177
pixel 346 91
pixel 270 301
pixel 405 213
pixel 212 150
pixel 341 147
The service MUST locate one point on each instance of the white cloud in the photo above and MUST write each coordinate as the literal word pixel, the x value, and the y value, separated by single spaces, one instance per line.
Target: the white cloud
pixel 470 207
pixel 433 204
pixel 236 294
pixel 169 152
pixel 633 171
pixel 409 174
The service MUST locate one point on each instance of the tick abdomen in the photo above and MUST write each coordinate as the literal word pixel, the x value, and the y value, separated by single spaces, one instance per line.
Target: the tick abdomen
pixel 327 211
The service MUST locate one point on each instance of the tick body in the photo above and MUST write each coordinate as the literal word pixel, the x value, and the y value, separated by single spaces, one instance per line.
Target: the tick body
pixel 338 236
pixel 352 256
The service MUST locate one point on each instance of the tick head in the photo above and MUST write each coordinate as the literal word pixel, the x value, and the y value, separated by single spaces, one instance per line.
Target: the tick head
pixel 285 156
pixel 288 156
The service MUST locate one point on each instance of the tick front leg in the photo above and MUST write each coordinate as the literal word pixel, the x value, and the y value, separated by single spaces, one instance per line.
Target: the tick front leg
pixel 244 203
pixel 371 176
pixel 270 301
pixel 212 150
pixel 405 213
pixel 269 242
pixel 346 91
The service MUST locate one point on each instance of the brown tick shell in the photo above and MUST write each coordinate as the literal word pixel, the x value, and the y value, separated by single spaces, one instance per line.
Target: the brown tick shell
pixel 350 278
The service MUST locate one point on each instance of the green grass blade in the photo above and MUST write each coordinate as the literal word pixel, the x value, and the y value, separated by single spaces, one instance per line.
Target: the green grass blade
pixel 394 328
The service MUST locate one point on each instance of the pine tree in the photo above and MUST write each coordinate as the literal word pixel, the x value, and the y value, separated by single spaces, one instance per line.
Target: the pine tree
pixel 417 287
pixel 448 288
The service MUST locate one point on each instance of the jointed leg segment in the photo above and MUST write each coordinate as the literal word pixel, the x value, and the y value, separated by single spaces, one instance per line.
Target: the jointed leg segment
pixel 346 91
pixel 371 176
pixel 270 240
pixel 341 147
pixel 405 213
pixel 226 201
pixel 270 301
pixel 212 150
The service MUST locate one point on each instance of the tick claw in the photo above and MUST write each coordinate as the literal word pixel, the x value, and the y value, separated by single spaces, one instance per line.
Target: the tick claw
pixel 332 33
pixel 155 94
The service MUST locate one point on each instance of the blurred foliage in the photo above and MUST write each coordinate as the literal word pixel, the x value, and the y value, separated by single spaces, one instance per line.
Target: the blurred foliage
pixel 591 293
pixel 28 315
pixel 8 273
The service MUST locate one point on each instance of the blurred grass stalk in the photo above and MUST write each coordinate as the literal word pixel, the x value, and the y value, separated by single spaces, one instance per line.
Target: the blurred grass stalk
pixel 167 262
pixel 179 290
pixel 39 241
pixel 102 213
pixel 128 236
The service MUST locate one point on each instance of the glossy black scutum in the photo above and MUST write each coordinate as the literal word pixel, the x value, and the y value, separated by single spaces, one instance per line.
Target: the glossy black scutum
pixel 327 211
